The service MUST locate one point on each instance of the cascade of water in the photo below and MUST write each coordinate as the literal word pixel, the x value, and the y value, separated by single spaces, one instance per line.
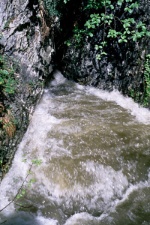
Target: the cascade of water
pixel 87 151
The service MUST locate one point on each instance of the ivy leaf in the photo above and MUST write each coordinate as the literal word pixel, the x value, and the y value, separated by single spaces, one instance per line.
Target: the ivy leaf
pixel 1 81
pixel 90 34
pixel 96 47
pixel 119 2
pixel 148 33
pixel 9 90
pixel 112 7
pixel 4 72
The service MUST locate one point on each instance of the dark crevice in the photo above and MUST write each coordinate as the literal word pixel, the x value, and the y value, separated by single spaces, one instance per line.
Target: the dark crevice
pixel 71 14
pixel 21 27
pixel 33 6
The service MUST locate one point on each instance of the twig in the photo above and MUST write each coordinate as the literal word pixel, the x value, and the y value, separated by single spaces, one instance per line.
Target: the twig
pixel 25 207
pixel 18 190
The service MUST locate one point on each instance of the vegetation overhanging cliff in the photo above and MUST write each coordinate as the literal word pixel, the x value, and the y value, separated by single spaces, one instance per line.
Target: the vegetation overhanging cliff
pixel 107 45
pixel 100 43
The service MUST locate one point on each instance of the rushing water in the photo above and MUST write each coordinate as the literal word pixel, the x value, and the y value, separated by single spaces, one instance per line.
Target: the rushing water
pixel 83 161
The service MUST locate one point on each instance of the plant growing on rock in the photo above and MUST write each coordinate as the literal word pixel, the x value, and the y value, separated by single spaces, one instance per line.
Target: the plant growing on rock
pixel 51 7
pixel 7 88
pixel 147 81
pixel 26 184
pixel 104 15
pixel 8 124
pixel 7 80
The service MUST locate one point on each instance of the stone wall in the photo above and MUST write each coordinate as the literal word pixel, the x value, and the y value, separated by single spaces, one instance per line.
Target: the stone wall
pixel 26 40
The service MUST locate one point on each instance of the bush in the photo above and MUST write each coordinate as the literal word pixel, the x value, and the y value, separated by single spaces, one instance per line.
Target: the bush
pixel 7 80
pixel 147 81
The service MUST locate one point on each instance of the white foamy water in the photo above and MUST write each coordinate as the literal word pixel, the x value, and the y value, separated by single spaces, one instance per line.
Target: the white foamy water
pixel 140 113
pixel 87 152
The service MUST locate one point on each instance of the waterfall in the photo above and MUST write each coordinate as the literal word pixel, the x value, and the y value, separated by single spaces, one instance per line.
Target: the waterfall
pixel 83 160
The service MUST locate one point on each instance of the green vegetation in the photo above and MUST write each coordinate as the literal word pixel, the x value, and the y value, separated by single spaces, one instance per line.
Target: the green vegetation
pixel 7 80
pixel 7 90
pixel 23 191
pixel 102 23
pixel 37 162
pixel 104 14
pixel 65 1
pixel 147 81
pixel 50 6
pixel 26 184
pixel 7 23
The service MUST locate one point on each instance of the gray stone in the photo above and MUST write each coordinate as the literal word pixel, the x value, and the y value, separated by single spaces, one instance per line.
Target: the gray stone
pixel 22 41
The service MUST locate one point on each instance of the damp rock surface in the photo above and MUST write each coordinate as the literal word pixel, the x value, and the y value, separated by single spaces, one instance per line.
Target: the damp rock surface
pixel 29 53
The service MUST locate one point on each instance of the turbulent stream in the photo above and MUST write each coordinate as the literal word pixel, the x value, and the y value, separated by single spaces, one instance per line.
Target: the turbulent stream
pixel 84 160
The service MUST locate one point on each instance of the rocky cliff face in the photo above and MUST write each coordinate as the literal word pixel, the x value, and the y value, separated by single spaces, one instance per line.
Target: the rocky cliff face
pixel 121 69
pixel 26 39
pixel 21 23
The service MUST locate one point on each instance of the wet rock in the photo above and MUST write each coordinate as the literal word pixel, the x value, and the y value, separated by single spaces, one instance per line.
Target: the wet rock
pixel 123 66
pixel 30 53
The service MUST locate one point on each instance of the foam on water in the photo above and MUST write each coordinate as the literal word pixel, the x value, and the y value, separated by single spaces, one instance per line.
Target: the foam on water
pixel 33 141
pixel 59 79
pixel 45 221
pixel 105 186
pixel 79 219
pixel 105 218
pixel 141 114
pixel 133 188
pixel 100 187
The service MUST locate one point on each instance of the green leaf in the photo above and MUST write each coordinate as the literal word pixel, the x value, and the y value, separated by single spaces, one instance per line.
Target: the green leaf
pixel 112 7
pixel 98 56
pixel 1 81
pixel 90 34
pixel 103 53
pixel 4 72
pixel 148 33
pixel 9 90
pixel 96 47
pixel 119 2
pixel 37 162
